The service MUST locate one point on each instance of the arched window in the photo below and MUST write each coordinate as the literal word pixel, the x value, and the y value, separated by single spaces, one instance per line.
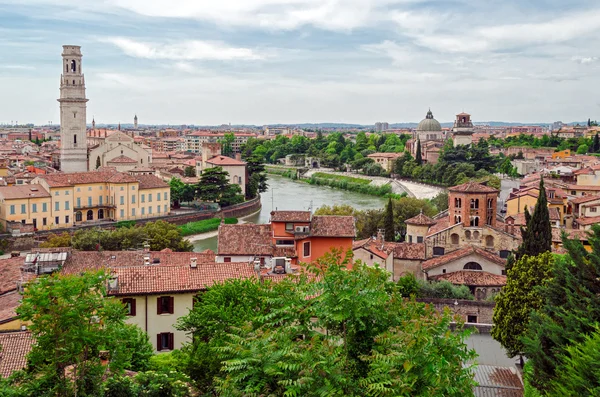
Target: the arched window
pixel 100 213
pixel 75 140
pixel 474 221
pixel 489 220
pixel 454 238
pixel 472 266
pixel 490 203
pixel 459 205
pixel 73 66
pixel 475 235
pixel 90 215
pixel 67 67
pixel 489 241
pixel 78 216
pixel 468 235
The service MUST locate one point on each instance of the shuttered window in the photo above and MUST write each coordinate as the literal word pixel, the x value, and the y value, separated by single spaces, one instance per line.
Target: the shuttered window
pixel 165 341
pixel 129 306
pixel 165 305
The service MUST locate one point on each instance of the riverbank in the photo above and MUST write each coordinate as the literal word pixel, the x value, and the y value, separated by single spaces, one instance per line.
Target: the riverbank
pixel 214 233
pixel 204 226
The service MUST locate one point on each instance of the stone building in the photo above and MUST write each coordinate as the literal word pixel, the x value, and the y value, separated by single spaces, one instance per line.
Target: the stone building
pixel 73 106
pixel 431 137
pixel 119 150
pixel 462 132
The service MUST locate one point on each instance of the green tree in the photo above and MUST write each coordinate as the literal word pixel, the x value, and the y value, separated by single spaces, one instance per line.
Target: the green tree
pixel 57 240
pixel 361 141
pixel 257 178
pixel 418 157
pixel 596 144
pixel 162 234
pixel 189 171
pixel 571 309
pixel 214 184
pixel 72 319
pixel 177 188
pixel 390 233
pixel 537 235
pixel 440 201
pixel 518 299
pixel 582 149
pixel 226 143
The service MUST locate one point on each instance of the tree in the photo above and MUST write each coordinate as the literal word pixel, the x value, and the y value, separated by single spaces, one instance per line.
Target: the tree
pixel 177 188
pixel 518 299
pixel 189 171
pixel 98 163
pixel 162 234
pixel 72 319
pixel 440 201
pixel 226 143
pixel 418 157
pixel 257 178
pixel 336 209
pixel 571 309
pixel 537 235
pixel 582 149
pixel 57 240
pixel 390 234
pixel 596 144
pixel 355 331
pixel 213 182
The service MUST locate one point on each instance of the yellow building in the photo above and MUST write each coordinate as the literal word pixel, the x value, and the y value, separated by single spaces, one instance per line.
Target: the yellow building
pixel 385 160
pixel 517 202
pixel 64 200
pixel 563 154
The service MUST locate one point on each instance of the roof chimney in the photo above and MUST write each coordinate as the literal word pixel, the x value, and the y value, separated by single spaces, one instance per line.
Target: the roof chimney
pixel 194 263
pixel 380 236
pixel 147 258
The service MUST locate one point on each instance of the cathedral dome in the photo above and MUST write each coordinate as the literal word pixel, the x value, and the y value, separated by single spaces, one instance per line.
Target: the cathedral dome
pixel 429 123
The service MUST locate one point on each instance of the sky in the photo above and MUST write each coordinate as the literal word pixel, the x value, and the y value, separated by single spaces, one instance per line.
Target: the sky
pixel 211 62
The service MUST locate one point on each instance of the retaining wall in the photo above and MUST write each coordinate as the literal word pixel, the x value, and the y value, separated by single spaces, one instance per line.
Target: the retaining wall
pixel 464 308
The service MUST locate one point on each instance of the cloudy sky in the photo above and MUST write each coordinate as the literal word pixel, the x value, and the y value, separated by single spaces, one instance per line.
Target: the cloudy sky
pixel 210 62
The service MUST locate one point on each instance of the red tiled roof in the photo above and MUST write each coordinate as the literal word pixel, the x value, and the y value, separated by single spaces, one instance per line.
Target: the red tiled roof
pixel 420 219
pixel 385 155
pixel 583 187
pixel 8 306
pixel 332 226
pixel 245 239
pixel 224 160
pixel 585 221
pixel 409 251
pixel 454 255
pixel 441 224
pixel 473 187
pixel 14 348
pixel 472 277
pixel 122 159
pixel 163 279
pixel 150 182
pixel 290 216
pixel 10 273
pixel 584 199
pixel 104 174
pixel 22 191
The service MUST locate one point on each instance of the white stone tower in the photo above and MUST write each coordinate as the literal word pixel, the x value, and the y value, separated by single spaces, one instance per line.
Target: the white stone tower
pixel 73 145
pixel 135 122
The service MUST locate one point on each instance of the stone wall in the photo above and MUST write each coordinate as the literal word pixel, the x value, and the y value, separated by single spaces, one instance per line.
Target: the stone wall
pixel 464 308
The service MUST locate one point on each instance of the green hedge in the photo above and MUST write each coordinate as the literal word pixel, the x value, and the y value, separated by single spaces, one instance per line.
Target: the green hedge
pixel 344 184
pixel 206 225
pixel 342 178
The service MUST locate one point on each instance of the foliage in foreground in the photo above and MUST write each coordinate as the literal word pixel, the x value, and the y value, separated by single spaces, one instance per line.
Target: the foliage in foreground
pixel 334 332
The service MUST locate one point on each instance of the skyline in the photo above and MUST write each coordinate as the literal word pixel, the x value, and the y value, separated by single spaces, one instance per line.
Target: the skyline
pixel 304 61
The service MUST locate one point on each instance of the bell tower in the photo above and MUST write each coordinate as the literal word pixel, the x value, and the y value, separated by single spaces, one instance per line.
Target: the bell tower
pixel 73 104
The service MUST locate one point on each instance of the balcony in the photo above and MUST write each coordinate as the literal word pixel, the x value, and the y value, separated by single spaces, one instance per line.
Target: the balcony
pixel 92 206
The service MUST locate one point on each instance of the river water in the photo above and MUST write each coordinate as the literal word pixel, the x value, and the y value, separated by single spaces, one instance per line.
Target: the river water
pixel 286 194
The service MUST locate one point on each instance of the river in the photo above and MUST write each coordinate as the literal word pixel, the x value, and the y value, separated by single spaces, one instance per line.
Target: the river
pixel 286 194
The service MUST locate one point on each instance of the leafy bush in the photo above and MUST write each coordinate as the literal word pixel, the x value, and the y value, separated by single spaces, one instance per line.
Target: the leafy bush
pixel 57 240
pixel 121 224
pixel 163 384
pixel 443 290
pixel 408 285
pixel 349 184
pixel 203 226
pixel 119 386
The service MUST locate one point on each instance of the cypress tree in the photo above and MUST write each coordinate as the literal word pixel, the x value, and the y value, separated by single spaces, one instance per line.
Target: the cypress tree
pixel 596 144
pixel 537 236
pixel 418 156
pixel 390 235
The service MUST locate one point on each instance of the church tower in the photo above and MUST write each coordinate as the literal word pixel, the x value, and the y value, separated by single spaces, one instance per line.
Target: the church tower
pixel 73 145
pixel 135 122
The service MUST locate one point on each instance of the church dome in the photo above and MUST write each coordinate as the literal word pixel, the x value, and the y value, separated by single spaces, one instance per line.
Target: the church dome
pixel 429 123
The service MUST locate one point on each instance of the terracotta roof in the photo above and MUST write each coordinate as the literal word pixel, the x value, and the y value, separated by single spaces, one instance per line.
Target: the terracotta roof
pixel 150 182
pixel 473 187
pixel 441 224
pixel 420 219
pixel 373 246
pixel 23 191
pixel 454 255
pixel 10 273
pixel 104 174
pixel 584 199
pixel 409 251
pixel 224 160
pixel 332 226
pixel 122 159
pixel 583 187
pixel 585 221
pixel 385 155
pixel 81 261
pixel 472 277
pixel 163 279
pixel 290 216
pixel 8 306
pixel 245 239
pixel 14 348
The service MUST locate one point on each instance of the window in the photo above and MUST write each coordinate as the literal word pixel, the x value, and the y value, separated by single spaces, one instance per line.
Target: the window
pixel 100 187
pixel 504 254
pixel 490 203
pixel 410 239
pixel 122 200
pixel 89 201
pixel 12 209
pixel 165 208
pixel 57 206
pixel 443 271
pixel 34 207
pixel 67 206
pixel 284 242
pixel 44 221
pixel 67 219
pixel 143 198
pixel 56 220
pixel 474 221
pixel 551 194
pixel 227 259
pixel 23 208
pixel 454 238
pixel 474 204
pixel 158 209
pixel 472 266
pixel 504 272
pixel 133 212
pixel 573 192
pixel 78 202
pixel 593 209
pixel 157 196
pixel 289 227
pixel 132 199
pixel 306 249
pixel 143 210
pixel 371 256
pixel 165 196
pixel 66 192
pixel 489 241
pixel 129 306
pixel 472 319
pixel 100 200
pixel 78 189
pixel 164 341
pixel 458 203
pixel 133 187
pixel 164 305
pixel 149 210
pixel 44 207
pixel 438 251
pixel 419 239
pixel 89 188
pixel 78 216
pixel 149 197
pixel 122 188
pixel 122 213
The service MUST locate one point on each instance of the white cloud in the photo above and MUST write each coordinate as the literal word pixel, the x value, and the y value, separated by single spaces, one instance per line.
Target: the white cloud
pixel 185 51
pixel 584 60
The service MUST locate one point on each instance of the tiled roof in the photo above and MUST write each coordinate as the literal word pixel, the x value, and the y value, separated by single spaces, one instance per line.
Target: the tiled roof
pixel 591 220
pixel 122 159
pixel 385 155
pixel 420 219
pixel 22 191
pixel 473 187
pixel 584 199
pixel 224 160
pixel 81 261
pixel 332 226
pixel 245 239
pixel 10 273
pixel 163 279
pixel 8 305
pixel 104 174
pixel 409 251
pixel 375 247
pixel 583 187
pixel 14 348
pixel 290 216
pixel 441 224
pixel 472 277
pixel 454 255
pixel 150 182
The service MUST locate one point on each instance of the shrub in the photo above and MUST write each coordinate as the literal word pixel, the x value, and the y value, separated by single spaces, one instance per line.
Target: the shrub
pixel 443 290
pixel 203 226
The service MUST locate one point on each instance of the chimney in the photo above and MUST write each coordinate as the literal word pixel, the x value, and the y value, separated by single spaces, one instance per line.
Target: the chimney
pixel 194 263
pixel 238 156
pixel 380 236
pixel 147 258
